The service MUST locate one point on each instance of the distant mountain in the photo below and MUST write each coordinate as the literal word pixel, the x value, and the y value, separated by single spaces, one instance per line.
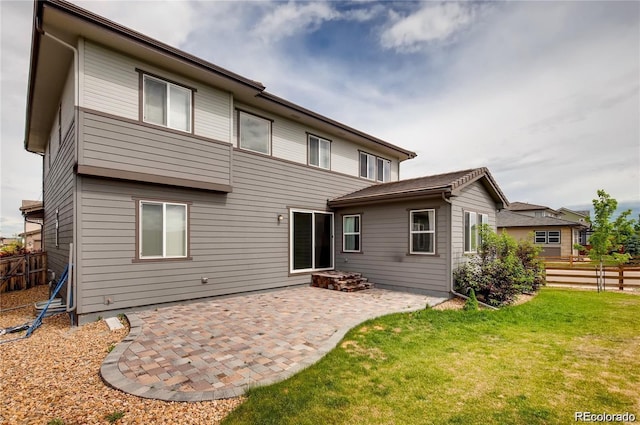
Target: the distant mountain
pixel 634 206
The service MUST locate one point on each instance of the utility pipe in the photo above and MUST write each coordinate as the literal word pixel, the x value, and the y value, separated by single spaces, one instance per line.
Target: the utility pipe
pixel 76 89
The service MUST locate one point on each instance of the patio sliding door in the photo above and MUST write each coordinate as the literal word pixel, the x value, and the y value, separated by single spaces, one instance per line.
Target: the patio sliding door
pixel 311 240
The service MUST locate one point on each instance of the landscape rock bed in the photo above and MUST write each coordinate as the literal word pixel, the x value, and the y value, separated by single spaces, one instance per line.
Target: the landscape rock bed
pixel 54 374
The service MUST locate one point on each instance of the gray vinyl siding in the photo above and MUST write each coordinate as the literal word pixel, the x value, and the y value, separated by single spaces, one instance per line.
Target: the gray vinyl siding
pixel 235 238
pixel 473 198
pixel 128 146
pixel 289 141
pixel 58 185
pixel 385 258
pixel 111 85
pixel 58 194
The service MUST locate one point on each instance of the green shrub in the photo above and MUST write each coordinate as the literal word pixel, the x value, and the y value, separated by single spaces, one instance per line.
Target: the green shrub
pixel 472 301
pixel 502 269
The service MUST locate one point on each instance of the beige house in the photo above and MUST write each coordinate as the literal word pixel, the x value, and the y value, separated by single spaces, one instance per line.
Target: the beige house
pixel 541 224
pixel 33 213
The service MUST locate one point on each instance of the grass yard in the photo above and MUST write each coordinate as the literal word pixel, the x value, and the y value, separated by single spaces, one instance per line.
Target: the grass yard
pixel 537 363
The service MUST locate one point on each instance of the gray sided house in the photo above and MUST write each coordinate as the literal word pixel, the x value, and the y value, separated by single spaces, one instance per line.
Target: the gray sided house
pixel 170 179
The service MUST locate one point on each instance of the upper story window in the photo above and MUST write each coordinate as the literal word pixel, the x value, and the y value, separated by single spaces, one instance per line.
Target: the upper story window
pixel 319 152
pixel 254 133
pixel 375 168
pixel 422 232
pixel 166 104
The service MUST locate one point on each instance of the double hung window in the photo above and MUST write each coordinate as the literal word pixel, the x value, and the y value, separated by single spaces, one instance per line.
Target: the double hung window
pixel 319 152
pixel 422 232
pixel 166 104
pixel 351 233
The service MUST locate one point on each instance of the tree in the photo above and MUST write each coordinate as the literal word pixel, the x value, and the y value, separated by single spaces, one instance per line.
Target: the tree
pixel 607 236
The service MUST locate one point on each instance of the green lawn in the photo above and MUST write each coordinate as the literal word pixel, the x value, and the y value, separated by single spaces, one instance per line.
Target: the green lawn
pixel 538 363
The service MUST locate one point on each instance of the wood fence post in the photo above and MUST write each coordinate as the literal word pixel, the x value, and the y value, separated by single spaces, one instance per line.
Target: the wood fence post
pixel 621 278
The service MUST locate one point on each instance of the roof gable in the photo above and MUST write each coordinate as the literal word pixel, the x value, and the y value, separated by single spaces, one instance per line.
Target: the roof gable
pixel 447 184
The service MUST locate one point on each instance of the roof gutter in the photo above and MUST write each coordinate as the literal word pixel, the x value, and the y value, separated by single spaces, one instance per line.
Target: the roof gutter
pixel 400 195
pixel 282 102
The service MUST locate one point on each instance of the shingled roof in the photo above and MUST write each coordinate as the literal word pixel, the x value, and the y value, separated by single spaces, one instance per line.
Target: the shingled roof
pixel 449 184
pixel 506 218
pixel 523 206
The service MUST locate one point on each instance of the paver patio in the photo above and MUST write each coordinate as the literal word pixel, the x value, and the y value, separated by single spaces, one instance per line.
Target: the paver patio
pixel 218 348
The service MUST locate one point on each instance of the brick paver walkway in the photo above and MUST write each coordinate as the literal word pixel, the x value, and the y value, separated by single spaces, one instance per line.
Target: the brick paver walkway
pixel 217 348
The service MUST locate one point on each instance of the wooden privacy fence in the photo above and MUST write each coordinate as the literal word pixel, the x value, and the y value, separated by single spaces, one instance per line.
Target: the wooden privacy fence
pixel 23 271
pixel 586 274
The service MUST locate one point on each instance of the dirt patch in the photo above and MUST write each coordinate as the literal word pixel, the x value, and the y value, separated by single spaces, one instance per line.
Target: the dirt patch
pixel 373 353
pixel 458 303
pixel 55 374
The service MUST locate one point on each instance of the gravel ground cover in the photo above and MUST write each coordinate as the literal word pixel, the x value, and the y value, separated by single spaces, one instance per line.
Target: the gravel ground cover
pixel 54 375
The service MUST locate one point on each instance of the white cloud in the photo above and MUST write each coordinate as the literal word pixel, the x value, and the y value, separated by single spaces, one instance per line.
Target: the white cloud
pixel 291 18
pixel 431 23
pixel 168 21
pixel 545 94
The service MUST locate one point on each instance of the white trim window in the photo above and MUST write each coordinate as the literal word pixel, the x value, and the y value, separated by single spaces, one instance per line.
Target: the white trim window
pixel 319 152
pixel 540 237
pixel 351 233
pixel 422 231
pixel 166 104
pixel 374 168
pixel 383 170
pixel 254 133
pixel 163 230
pixel 553 237
pixel 472 235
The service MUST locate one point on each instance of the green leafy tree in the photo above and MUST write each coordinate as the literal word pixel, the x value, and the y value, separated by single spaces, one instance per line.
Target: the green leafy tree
pixel 606 239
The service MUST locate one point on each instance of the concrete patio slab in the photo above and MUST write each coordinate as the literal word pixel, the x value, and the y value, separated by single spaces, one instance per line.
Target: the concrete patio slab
pixel 218 348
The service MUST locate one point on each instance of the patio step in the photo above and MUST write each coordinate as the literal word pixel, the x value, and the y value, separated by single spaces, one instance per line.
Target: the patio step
pixel 340 281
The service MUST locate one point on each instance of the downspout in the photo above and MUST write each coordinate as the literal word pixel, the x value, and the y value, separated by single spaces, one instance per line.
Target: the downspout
pixel 37 222
pixel 452 289
pixel 76 89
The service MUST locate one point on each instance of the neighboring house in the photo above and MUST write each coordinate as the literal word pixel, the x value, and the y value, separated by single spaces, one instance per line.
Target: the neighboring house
pixel 577 216
pixel 581 217
pixel 533 210
pixel 33 213
pixel 8 241
pixel 175 179
pixel 556 236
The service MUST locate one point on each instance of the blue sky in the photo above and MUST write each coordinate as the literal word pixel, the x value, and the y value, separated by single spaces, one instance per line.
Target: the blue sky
pixel 545 94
